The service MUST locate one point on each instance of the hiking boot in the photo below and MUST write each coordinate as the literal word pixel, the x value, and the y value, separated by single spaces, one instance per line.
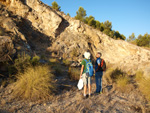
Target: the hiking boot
pixel 89 96
pixel 85 97
pixel 100 92
pixel 96 92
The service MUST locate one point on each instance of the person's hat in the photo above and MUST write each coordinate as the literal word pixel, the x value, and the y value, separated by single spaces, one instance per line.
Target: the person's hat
pixel 87 55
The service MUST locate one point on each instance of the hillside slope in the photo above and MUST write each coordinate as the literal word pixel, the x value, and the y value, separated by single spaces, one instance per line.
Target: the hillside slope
pixel 46 31
pixel 34 28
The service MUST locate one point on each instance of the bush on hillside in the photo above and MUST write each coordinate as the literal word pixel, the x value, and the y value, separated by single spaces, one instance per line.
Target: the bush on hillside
pixel 35 60
pixel 143 84
pixel 123 83
pixel 119 79
pixel 116 73
pixel 22 62
pixel 34 84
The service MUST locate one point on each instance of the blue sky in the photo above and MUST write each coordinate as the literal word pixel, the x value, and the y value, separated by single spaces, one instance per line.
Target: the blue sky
pixel 127 16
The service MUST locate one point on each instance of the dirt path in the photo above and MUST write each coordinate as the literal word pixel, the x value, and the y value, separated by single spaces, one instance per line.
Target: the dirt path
pixel 69 100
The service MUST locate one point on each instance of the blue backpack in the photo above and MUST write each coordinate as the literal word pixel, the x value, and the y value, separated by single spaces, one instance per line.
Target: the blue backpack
pixel 89 68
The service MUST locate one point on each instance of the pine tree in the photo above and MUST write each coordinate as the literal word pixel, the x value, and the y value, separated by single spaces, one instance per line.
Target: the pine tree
pixel 81 13
pixel 56 6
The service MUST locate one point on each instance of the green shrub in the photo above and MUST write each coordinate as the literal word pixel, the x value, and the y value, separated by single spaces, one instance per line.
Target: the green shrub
pixel 74 73
pixel 22 62
pixel 117 73
pixel 34 84
pixel 35 60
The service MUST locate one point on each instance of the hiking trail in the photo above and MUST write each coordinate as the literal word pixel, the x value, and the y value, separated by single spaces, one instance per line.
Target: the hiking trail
pixel 70 99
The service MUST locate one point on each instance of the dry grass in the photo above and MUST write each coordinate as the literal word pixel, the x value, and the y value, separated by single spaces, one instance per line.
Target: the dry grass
pixel 112 74
pixel 118 79
pixel 139 76
pixel 123 84
pixel 34 84
pixel 66 62
pixel 143 84
pixel 74 73
pixel 122 81
pixel 53 60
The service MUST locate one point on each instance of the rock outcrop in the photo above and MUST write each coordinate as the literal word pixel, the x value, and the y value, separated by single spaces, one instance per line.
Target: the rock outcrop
pixel 45 31
pixel 6 48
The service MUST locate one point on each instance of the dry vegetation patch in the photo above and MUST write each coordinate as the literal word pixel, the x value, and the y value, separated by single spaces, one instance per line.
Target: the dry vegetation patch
pixel 119 79
pixel 143 84
pixel 74 73
pixel 35 83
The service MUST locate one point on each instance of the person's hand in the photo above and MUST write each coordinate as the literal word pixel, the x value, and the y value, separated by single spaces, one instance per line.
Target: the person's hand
pixel 80 76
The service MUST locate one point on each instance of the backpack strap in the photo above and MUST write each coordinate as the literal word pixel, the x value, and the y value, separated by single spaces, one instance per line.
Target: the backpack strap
pixel 87 61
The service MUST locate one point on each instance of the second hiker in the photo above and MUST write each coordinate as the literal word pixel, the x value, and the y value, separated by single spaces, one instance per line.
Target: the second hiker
pixel 98 74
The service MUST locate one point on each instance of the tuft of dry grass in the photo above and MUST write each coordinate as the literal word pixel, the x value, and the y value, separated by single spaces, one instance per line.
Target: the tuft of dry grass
pixel 119 79
pixel 143 84
pixel 139 76
pixel 34 84
pixel 53 60
pixel 74 73
pixel 123 84
pixel 122 81
pixel 112 74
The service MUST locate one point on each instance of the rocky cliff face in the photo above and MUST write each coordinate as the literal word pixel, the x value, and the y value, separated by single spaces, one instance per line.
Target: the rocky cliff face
pixel 43 30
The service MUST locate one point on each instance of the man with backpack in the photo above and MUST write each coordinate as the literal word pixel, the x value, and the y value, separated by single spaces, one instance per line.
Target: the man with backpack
pixel 86 73
pixel 100 66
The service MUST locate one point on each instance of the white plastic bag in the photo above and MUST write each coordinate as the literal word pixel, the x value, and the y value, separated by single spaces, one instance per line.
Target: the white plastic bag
pixel 80 84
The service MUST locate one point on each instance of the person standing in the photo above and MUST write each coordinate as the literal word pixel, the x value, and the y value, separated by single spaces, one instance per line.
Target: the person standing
pixel 84 75
pixel 98 73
